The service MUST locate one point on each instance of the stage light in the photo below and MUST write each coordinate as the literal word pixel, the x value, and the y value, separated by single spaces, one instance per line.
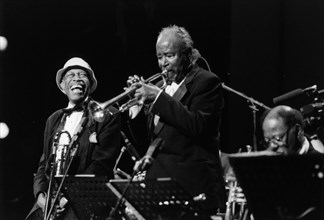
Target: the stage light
pixel 4 130
pixel 3 43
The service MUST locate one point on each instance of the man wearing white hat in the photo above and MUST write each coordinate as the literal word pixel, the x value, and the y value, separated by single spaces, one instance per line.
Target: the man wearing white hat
pixel 97 144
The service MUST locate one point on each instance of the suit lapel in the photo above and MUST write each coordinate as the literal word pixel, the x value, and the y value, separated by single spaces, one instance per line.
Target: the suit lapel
pixel 180 92
pixel 177 96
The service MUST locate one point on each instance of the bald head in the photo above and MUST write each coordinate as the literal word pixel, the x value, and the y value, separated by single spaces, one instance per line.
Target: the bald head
pixel 290 116
pixel 283 129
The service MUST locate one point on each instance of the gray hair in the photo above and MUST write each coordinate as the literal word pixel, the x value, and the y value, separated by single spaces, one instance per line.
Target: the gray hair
pixel 185 41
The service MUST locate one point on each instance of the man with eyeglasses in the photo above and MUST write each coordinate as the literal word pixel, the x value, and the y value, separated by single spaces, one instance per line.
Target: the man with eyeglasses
pixel 283 131
pixel 95 148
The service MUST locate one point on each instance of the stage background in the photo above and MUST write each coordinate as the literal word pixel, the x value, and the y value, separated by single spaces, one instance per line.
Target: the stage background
pixel 260 48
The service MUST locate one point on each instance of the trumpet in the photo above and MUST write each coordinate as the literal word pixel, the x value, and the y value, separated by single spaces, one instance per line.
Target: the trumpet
pixel 100 110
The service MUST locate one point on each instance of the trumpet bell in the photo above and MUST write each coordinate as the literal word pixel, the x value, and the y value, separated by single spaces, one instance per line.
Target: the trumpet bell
pixel 96 111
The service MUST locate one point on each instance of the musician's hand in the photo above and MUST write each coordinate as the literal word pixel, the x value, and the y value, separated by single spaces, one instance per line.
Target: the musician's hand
pixel 140 176
pixel 41 201
pixel 134 79
pixel 61 208
pixel 63 202
pixel 146 93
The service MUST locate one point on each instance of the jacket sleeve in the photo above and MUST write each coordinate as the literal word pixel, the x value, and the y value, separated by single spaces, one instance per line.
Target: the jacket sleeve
pixel 41 179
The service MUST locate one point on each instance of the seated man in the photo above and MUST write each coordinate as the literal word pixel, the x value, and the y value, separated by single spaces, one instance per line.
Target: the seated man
pixel 283 131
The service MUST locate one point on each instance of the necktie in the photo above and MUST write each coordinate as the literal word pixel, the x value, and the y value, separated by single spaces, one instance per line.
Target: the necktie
pixel 76 108
pixel 68 111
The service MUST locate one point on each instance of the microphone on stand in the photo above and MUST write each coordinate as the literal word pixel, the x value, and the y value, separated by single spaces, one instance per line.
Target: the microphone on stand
pixel 294 94
pixel 288 96
pixel 151 153
pixel 130 148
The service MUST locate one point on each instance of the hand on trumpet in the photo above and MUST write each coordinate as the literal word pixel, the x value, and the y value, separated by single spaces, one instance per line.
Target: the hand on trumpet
pixel 133 79
pixel 145 92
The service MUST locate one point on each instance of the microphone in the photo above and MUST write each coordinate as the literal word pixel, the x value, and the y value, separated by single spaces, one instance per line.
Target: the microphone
pixel 311 108
pixel 147 160
pixel 287 96
pixel 294 94
pixel 130 148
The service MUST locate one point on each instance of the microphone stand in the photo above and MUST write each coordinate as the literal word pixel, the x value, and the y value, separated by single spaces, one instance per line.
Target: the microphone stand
pixel 71 150
pixel 118 171
pixel 120 202
pixel 253 106
pixel 49 190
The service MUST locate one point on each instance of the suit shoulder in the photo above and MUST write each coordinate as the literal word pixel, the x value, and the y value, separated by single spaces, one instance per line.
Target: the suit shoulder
pixel 208 76
pixel 55 115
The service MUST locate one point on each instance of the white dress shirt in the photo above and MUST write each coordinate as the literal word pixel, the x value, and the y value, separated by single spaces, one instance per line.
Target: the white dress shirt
pixel 71 123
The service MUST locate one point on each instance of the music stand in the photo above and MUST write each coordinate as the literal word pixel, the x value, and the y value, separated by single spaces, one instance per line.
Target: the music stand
pixel 281 186
pixel 156 198
pixel 88 196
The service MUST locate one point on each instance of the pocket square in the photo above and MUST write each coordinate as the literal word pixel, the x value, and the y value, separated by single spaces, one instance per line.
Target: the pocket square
pixel 93 138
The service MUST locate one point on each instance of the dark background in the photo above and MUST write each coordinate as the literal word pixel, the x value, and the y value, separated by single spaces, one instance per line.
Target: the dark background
pixel 260 48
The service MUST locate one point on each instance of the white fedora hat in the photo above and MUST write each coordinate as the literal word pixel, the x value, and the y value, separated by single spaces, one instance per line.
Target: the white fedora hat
pixel 77 62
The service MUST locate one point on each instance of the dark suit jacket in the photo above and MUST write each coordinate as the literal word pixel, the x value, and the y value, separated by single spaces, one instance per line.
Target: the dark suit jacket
pixel 191 122
pixel 96 156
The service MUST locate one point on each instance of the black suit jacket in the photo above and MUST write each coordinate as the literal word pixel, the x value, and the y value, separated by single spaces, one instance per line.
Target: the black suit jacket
pixel 190 128
pixel 98 148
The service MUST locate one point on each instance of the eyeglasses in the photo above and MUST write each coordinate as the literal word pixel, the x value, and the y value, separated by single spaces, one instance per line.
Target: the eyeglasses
pixel 278 139
pixel 71 75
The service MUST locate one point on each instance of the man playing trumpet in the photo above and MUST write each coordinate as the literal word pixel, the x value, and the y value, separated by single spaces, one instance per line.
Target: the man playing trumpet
pixel 187 116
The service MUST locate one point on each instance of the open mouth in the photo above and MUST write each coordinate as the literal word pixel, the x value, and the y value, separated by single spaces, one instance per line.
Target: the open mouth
pixel 77 88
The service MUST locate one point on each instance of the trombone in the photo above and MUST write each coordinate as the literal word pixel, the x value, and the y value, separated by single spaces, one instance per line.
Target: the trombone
pixel 100 110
